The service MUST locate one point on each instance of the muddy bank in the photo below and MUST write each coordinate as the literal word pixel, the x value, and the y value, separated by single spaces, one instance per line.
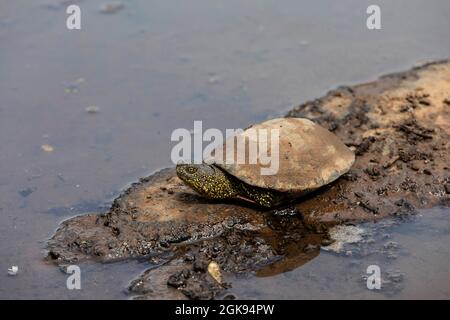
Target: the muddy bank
pixel 165 223
pixel 399 129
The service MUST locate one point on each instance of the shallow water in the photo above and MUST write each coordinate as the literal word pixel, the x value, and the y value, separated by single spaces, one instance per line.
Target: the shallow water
pixel 155 66
pixel 413 256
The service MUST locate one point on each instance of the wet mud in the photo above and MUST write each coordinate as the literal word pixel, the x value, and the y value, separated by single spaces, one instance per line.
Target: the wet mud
pixel 398 127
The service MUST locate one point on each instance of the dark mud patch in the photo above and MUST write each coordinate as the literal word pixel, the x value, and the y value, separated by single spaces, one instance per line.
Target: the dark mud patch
pixel 164 222
pixel 399 129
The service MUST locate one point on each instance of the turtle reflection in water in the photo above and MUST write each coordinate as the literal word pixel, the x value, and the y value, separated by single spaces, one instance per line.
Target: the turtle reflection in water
pixel 309 158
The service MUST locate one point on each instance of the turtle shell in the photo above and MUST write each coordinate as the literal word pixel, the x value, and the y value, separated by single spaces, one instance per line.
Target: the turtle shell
pixel 309 156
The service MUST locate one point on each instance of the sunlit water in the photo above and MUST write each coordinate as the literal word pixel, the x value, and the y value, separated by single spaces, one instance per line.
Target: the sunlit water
pixel 155 66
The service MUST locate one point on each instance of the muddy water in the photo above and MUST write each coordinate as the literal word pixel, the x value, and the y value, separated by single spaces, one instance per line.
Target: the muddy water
pixel 413 257
pixel 155 66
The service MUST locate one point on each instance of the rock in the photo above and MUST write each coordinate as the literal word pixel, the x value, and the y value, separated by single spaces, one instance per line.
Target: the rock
pixel 183 229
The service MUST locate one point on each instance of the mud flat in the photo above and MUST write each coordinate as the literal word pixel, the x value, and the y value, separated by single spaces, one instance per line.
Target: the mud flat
pixel 399 127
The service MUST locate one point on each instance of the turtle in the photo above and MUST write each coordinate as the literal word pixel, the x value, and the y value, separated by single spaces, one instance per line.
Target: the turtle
pixel 309 157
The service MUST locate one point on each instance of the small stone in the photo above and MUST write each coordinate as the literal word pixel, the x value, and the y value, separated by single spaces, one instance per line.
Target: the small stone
pixel 326 242
pixel 47 148
pixel 13 270
pixel 200 266
pixel 189 257
pixel 92 109
pixel 214 271
pixel 373 171
pixel 390 245
pixel 213 80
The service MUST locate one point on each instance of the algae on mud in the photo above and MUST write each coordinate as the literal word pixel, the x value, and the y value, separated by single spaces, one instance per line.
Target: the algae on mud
pixel 399 128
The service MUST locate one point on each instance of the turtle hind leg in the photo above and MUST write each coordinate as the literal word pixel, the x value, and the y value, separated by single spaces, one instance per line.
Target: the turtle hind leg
pixel 262 197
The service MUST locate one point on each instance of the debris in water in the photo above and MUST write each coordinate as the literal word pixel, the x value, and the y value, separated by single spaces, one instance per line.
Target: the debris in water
pixel 111 8
pixel 71 89
pixel 92 109
pixel 13 270
pixel 214 271
pixel 213 80
pixel 47 148
pixel 26 192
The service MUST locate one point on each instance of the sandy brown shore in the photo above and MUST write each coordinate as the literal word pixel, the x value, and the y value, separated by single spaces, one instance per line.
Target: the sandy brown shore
pixel 399 127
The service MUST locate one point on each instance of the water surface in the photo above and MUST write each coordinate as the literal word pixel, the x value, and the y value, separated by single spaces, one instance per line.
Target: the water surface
pixel 155 66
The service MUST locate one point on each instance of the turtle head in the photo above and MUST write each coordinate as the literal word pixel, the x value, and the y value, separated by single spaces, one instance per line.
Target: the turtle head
pixel 207 180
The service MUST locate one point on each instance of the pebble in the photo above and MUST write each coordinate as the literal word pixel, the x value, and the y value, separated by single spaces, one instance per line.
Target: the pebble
pixel 189 257
pixel 26 192
pixel 214 271
pixel 47 148
pixel 213 80
pixel 13 270
pixel 391 245
pixel 92 109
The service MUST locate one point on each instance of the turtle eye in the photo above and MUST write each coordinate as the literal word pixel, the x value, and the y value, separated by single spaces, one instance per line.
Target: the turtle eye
pixel 191 170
